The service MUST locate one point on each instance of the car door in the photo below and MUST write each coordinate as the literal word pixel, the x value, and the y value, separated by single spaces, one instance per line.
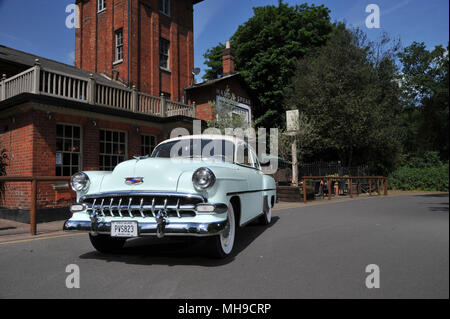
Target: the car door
pixel 251 199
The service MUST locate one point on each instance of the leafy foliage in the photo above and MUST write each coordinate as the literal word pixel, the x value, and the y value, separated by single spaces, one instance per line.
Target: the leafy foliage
pixel 266 48
pixel 425 81
pixel 363 102
pixel 306 137
pixel 213 59
pixel 349 88
pixel 425 172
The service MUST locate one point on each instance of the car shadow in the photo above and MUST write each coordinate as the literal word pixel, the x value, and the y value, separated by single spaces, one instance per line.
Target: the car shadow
pixel 437 207
pixel 173 251
pixel 442 208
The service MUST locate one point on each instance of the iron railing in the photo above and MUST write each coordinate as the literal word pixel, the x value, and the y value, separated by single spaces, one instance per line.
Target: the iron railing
pixel 34 188
pixel 373 181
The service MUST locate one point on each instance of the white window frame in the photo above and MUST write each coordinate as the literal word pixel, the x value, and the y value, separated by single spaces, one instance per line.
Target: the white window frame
pixel 118 46
pixel 250 157
pixel 161 41
pixel 101 5
pixel 164 7
pixel 239 108
pixel 80 152
pixel 102 166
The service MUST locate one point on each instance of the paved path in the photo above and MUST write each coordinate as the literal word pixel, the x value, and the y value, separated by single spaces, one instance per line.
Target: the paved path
pixel 315 251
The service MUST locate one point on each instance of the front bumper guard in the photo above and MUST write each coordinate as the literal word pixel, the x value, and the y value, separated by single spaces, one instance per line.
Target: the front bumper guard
pixel 152 228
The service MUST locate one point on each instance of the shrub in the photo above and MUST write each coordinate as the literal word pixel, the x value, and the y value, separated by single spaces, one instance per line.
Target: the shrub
pixel 425 177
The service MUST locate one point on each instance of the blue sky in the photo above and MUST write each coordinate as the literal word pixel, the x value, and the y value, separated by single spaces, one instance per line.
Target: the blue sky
pixel 39 26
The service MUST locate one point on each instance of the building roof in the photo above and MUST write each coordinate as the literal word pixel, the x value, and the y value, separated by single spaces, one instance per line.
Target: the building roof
pixel 27 60
pixel 211 82
pixel 236 76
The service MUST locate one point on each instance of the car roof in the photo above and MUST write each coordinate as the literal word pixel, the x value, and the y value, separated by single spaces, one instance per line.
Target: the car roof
pixel 230 138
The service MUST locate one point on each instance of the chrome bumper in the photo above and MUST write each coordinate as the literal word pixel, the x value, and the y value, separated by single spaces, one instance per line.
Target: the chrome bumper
pixel 151 228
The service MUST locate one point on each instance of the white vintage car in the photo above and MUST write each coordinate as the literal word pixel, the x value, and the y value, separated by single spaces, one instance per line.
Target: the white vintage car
pixel 213 185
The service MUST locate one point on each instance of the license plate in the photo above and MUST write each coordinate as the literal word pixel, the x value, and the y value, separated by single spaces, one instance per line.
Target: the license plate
pixel 124 229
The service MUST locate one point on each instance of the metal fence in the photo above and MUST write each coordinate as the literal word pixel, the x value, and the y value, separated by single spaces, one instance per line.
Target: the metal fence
pixel 352 185
pixel 34 180
pixel 321 168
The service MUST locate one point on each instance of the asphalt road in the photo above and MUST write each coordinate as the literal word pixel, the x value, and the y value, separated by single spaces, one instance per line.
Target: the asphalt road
pixel 316 251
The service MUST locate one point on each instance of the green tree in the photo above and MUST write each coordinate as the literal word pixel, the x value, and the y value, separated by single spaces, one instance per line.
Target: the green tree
pixel 306 137
pixel 213 59
pixel 266 48
pixel 349 87
pixel 425 82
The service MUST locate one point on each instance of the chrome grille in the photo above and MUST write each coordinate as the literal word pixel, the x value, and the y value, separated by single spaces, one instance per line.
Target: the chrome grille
pixel 142 204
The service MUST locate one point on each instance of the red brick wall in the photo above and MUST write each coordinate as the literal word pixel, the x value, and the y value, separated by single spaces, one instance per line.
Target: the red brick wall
pixel 31 145
pixel 95 43
pixel 17 138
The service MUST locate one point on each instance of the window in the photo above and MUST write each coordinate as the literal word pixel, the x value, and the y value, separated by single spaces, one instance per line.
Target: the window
pixel 215 149
pixel 119 45
pixel 164 47
pixel 101 5
pixel 113 149
pixel 164 7
pixel 148 143
pixel 68 149
pixel 256 162
pixel 243 156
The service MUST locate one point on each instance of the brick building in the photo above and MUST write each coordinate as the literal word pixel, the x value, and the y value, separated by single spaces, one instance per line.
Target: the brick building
pixel 230 89
pixel 146 43
pixel 134 59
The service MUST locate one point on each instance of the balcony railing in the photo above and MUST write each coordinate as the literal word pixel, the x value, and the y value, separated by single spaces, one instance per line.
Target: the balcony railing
pixel 38 80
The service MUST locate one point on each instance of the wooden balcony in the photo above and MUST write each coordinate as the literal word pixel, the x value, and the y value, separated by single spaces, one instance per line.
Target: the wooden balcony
pixel 38 80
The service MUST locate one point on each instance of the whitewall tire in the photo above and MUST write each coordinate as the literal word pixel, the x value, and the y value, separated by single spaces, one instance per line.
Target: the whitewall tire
pixel 221 246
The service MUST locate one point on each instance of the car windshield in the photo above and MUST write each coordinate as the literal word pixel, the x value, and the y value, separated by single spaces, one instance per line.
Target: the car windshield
pixel 216 149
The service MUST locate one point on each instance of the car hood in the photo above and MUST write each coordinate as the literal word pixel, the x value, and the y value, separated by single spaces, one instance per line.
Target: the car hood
pixel 159 174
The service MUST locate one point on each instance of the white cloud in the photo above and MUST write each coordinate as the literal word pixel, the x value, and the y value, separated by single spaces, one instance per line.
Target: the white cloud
pixel 71 58
pixel 395 8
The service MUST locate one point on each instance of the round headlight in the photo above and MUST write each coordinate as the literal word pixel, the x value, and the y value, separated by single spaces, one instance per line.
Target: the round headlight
pixel 203 178
pixel 79 182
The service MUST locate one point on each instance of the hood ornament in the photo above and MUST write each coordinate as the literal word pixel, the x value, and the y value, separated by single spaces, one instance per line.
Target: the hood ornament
pixel 139 157
pixel 134 180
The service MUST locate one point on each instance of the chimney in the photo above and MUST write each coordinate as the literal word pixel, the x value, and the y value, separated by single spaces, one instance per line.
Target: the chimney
pixel 227 60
